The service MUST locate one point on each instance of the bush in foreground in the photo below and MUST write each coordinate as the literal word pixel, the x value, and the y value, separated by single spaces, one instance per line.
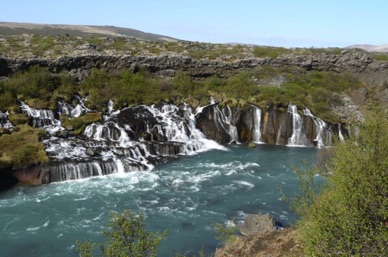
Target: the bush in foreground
pixel 350 215
pixel 126 236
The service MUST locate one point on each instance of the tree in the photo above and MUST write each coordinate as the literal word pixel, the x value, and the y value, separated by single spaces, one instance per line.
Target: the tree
pixel 349 217
pixel 126 236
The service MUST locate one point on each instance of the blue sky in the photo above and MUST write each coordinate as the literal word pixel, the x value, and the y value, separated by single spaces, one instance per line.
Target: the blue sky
pixel 288 23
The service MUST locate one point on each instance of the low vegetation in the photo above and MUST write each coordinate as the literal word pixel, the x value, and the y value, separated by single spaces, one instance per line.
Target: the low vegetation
pixel 349 217
pixel 22 148
pixel 49 46
pixel 41 89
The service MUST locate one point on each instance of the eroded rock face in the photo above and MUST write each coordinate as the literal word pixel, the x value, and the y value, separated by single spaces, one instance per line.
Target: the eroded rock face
pixel 277 126
pixel 140 120
pixel 346 109
pixel 211 121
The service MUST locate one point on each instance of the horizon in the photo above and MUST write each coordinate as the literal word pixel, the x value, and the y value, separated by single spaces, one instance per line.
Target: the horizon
pixel 276 23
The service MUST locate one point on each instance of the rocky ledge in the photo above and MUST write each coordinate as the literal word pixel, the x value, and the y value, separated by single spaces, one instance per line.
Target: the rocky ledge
pixel 351 60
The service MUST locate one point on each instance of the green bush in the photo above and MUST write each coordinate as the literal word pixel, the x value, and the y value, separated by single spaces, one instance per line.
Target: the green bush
pixel 126 236
pixel 349 217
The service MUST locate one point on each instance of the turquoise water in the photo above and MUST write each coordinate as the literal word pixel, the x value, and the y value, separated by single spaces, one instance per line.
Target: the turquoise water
pixel 185 196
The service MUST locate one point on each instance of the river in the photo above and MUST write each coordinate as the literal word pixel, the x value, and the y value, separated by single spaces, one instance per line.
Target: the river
pixel 185 196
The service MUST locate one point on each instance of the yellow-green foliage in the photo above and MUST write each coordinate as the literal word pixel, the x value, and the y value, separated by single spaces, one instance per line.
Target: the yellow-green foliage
pixel 125 88
pixel 266 51
pixel 79 124
pixel 380 56
pixel 35 83
pixel 23 148
pixel 307 89
pixel 349 217
pixel 41 44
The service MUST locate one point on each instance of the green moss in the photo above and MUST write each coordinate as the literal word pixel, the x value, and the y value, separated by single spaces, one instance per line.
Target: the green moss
pixel 78 124
pixel 23 148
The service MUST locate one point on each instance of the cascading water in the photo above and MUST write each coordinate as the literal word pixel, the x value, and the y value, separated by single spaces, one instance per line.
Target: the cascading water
pixel 114 145
pixel 228 117
pixel 256 135
pixel 298 137
pixel 4 121
pixel 323 134
pixel 340 136
pixel 134 139
pixel 41 118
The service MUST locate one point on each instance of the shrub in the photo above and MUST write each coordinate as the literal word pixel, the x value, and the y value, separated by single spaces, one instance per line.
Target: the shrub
pixel 350 215
pixel 126 236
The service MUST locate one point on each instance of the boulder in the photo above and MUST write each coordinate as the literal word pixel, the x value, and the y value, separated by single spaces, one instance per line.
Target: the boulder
pixel 257 223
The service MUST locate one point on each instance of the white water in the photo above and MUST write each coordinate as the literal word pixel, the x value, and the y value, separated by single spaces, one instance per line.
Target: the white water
pixel 228 118
pixel 108 148
pixel 320 127
pixel 256 136
pixel 340 136
pixel 298 138
pixel 185 196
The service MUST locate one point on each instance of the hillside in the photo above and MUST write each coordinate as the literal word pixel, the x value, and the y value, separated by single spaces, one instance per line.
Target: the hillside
pixel 15 28
pixel 372 48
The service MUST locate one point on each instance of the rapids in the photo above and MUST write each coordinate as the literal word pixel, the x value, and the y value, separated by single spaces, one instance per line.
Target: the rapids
pixel 185 196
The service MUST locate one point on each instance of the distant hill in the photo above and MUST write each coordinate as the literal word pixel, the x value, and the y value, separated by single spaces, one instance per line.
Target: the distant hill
pixel 372 48
pixel 14 28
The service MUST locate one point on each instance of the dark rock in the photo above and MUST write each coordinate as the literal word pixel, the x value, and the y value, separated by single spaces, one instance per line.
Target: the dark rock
pixel 139 118
pixel 7 180
pixel 209 121
pixel 352 60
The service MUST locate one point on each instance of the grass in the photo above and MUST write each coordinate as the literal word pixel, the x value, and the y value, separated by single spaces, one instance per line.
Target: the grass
pixel 53 46
pixel 380 56
pixel 22 148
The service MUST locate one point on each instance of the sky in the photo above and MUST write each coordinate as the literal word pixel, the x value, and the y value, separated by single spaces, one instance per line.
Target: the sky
pixel 286 23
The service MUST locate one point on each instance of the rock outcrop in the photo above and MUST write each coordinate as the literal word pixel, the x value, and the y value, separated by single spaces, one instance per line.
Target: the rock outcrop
pixel 352 60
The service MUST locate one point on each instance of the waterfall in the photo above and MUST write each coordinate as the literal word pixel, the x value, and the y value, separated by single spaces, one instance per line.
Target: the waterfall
pixel 256 135
pixel 71 171
pixel 110 106
pixel 298 138
pixel 4 121
pixel 323 135
pixel 340 136
pixel 109 131
pixel 41 118
pixel 135 139
pixel 228 120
